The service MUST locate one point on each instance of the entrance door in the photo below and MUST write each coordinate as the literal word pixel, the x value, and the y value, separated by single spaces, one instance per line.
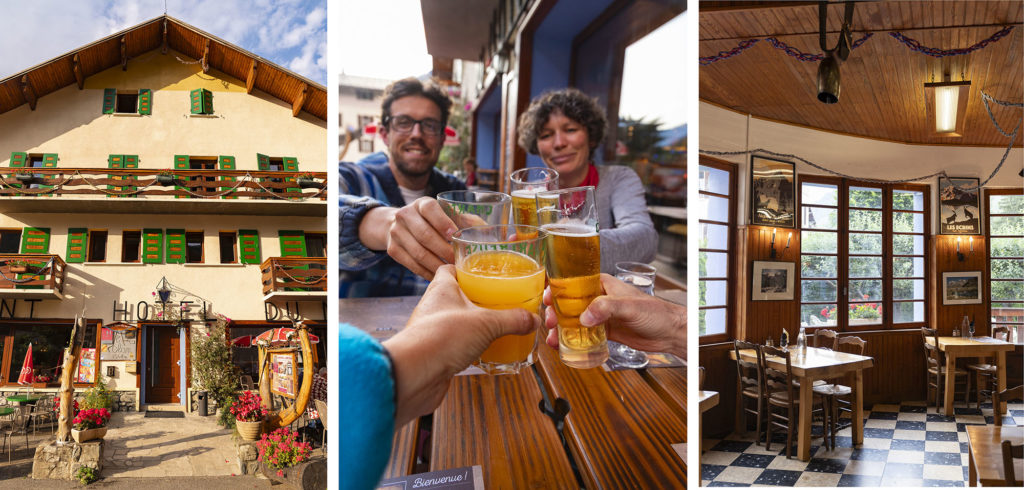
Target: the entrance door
pixel 163 374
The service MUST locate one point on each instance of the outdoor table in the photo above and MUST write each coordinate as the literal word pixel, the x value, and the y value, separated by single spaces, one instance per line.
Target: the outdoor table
pixel 985 456
pixel 620 427
pixel 956 347
pixel 5 411
pixel 24 399
pixel 818 364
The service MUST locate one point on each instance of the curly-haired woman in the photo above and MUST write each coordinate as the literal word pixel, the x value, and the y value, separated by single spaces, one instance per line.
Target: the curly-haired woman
pixel 565 128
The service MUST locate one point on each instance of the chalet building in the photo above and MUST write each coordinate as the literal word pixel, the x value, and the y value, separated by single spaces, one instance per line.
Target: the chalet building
pixel 149 182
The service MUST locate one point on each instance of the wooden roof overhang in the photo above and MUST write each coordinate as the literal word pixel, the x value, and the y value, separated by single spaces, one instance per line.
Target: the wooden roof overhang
pixel 882 92
pixel 163 33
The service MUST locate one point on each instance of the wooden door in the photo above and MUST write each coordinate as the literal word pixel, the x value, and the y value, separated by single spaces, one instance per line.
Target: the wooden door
pixel 163 373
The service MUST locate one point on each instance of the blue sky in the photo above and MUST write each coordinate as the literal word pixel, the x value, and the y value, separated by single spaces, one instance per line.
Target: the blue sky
pixel 290 33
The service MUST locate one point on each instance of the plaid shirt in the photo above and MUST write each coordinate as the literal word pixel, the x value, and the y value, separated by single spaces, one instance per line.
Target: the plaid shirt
pixel 365 185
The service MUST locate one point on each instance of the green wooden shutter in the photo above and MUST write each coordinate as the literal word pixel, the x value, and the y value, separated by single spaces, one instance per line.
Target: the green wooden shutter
pixel 109 97
pixel 262 162
pixel 35 241
pixel 152 246
pixel 293 243
pixel 49 160
pixel 145 101
pixel 249 246
pixel 114 161
pixel 130 161
pixel 180 163
pixel 196 99
pixel 207 102
pixel 18 159
pixel 78 238
pixel 291 164
pixel 175 245
pixel 227 162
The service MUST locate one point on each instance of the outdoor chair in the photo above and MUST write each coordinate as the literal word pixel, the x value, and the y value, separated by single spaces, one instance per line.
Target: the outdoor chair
pixel 321 409
pixel 246 382
pixel 42 411
pixel 18 427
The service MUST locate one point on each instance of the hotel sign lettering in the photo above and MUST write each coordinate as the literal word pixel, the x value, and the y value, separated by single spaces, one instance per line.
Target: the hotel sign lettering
pixel 142 311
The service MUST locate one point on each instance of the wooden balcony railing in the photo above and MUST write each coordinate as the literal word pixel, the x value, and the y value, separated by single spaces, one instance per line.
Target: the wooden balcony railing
pixel 193 184
pixel 32 271
pixel 294 274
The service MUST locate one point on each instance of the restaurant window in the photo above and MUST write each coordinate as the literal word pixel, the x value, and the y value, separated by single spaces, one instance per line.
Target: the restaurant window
pixel 716 216
pixel 131 243
pixel 1006 257
pixel 244 353
pixel 10 241
pixel 194 247
pixel 227 248
pixel 48 343
pixel 97 249
pixel 861 254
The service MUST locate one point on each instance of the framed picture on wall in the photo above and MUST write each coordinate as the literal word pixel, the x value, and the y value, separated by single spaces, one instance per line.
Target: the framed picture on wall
pixel 961 288
pixel 959 206
pixel 772 192
pixel 773 281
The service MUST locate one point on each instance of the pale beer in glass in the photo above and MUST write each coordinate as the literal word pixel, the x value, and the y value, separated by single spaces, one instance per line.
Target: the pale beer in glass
pixel 526 182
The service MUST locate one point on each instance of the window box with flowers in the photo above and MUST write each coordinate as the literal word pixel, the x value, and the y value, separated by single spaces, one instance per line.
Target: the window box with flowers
pixel 306 181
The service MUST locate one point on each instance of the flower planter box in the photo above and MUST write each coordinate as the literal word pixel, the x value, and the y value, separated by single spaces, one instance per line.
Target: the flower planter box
pixel 81 436
pixel 308 475
pixel 165 180
pixel 18 269
pixel 308 183
pixel 250 431
pixel 25 178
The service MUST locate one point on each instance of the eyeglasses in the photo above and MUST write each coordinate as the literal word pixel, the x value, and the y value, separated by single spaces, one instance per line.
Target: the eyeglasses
pixel 404 124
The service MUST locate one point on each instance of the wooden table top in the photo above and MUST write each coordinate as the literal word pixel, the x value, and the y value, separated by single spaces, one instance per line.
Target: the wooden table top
pixel 708 400
pixel 984 441
pixel 958 345
pixel 620 427
pixel 818 363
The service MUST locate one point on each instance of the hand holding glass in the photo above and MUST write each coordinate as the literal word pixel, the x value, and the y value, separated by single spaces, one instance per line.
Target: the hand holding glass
pixel 640 276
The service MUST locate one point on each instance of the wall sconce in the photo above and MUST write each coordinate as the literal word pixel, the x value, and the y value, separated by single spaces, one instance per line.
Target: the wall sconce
pixel 946 103
pixel 959 255
pixel 772 246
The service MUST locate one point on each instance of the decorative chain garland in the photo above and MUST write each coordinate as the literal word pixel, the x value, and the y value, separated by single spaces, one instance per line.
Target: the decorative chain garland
pixel 942 173
pixel 37 275
pixel 913 44
pixel 300 281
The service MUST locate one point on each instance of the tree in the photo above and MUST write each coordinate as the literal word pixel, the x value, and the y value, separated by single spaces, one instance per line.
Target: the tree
pixel 452 156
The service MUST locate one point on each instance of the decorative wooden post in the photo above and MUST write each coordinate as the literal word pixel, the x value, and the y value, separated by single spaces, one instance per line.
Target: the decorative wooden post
pixel 286 416
pixel 67 391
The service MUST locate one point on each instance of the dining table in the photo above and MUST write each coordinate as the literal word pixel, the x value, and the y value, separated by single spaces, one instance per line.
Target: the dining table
pixel 706 400
pixel 549 426
pixel 807 367
pixel 957 347
pixel 985 454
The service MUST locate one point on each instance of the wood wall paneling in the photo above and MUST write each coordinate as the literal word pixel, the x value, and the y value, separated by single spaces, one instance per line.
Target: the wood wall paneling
pixel 765 319
pixel 950 316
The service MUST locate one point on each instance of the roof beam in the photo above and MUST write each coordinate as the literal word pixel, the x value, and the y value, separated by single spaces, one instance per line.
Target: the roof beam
pixel 76 67
pixel 250 81
pixel 206 57
pixel 28 92
pixel 300 100
pixel 163 43
pixel 124 53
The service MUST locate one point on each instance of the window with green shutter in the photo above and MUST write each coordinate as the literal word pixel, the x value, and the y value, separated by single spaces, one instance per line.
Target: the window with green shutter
pixel 249 246
pixel 122 161
pixel 227 162
pixel 201 101
pixel 128 101
pixel 145 101
pixel 78 238
pixel 152 246
pixel 290 164
pixel 175 246
pixel 35 241
pixel 180 163
pixel 293 243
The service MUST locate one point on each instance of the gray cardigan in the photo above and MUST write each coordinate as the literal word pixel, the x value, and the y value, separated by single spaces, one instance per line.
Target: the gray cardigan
pixel 627 232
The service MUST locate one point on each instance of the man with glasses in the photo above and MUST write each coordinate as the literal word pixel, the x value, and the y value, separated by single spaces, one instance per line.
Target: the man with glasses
pixel 394 234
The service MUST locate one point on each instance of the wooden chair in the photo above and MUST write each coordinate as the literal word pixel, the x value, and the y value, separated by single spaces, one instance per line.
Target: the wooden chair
pixel 781 394
pixel 935 368
pixel 321 409
pixel 1015 393
pixel 985 371
pixel 748 375
pixel 246 382
pixel 833 395
pixel 825 338
pixel 1009 453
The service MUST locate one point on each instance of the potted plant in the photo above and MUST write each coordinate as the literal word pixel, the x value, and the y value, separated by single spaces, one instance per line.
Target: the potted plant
pixel 165 178
pixel 306 181
pixel 25 177
pixel 249 412
pixel 281 455
pixel 90 424
pixel 17 266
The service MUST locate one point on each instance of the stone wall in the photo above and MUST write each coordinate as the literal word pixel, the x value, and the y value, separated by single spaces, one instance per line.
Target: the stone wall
pixel 124 401
pixel 53 462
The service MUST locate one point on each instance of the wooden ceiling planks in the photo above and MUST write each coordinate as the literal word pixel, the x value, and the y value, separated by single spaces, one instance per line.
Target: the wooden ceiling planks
pixel 883 80
pixel 149 36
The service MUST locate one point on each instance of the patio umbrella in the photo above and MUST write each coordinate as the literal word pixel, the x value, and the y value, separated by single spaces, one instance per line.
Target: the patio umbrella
pixel 243 341
pixel 26 376
pixel 282 335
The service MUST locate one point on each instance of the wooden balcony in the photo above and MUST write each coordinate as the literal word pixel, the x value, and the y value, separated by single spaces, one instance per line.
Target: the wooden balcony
pixel 294 278
pixel 163 191
pixel 32 276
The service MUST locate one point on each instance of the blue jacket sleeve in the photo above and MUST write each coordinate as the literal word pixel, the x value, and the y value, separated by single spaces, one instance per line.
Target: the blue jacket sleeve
pixel 367 415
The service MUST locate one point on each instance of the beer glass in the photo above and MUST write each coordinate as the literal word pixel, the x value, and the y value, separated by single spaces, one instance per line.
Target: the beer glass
pixel 526 182
pixel 501 267
pixel 476 208
pixel 569 216
pixel 640 276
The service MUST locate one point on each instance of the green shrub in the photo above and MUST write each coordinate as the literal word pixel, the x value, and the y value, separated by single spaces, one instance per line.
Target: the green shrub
pixel 212 370
pixel 98 396
pixel 224 416
pixel 86 475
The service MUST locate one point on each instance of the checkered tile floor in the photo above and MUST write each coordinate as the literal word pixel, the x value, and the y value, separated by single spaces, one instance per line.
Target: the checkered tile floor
pixel 906 445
